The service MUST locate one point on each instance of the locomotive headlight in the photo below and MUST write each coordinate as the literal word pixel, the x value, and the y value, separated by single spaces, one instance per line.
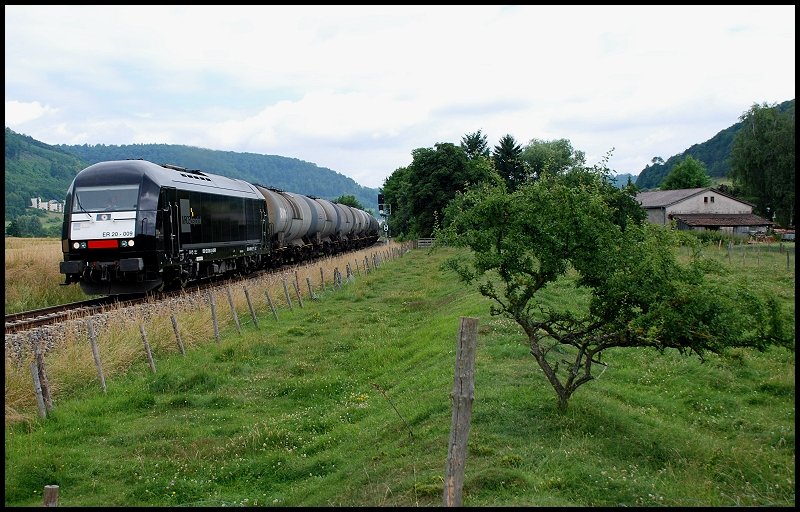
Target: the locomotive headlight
pixel 76 245
pixel 130 243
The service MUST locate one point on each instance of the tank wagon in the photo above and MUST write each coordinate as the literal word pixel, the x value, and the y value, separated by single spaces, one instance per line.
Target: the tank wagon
pixel 133 226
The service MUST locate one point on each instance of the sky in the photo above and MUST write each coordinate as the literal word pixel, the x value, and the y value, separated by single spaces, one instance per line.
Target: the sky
pixel 357 88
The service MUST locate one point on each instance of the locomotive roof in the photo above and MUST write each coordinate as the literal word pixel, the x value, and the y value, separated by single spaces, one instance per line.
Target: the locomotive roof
pixel 167 175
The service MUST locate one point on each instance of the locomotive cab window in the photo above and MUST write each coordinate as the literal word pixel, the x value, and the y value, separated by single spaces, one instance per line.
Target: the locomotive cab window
pixel 106 199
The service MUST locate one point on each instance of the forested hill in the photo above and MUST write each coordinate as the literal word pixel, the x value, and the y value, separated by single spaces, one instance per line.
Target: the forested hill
pixel 621 180
pixel 714 153
pixel 37 169
pixel 280 172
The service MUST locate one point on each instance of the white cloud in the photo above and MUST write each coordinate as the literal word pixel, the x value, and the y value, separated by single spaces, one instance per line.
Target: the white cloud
pixel 19 113
pixel 357 88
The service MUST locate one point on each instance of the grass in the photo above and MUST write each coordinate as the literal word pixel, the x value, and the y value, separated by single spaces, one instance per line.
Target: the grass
pixel 345 402
pixel 32 278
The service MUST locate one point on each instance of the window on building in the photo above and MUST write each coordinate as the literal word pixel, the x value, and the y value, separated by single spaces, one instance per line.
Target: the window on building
pixel 712 199
pixel 705 199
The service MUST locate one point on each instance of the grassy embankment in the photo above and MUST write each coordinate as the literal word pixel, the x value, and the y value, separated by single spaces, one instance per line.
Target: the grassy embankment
pixel 31 275
pixel 346 402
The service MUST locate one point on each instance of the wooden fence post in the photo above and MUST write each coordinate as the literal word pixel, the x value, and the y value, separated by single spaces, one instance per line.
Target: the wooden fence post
pixel 177 334
pixel 322 279
pixel 233 309
pixel 50 496
pixel 310 290
pixel 297 291
pixel 43 380
pixel 147 351
pixel 96 354
pixel 214 315
pixel 462 396
pixel 250 305
pixel 37 387
pixel 271 305
pixel 286 293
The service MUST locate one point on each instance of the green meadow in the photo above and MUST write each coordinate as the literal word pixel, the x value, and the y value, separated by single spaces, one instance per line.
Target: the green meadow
pixel 346 402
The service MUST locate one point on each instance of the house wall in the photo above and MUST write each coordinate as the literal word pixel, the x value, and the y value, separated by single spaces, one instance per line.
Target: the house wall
pixel 731 230
pixel 709 202
pixel 52 205
pixel 656 216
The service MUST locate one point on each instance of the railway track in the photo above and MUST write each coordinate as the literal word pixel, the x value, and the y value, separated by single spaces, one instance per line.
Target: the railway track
pixel 24 320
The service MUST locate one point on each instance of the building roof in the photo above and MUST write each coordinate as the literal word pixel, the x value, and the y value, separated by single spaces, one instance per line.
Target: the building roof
pixel 663 198
pixel 660 198
pixel 722 219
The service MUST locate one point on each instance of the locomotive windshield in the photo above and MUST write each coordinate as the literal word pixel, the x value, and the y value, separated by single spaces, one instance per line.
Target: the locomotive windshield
pixel 106 199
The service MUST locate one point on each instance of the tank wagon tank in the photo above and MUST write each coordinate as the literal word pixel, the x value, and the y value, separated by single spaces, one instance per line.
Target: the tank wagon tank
pixel 133 226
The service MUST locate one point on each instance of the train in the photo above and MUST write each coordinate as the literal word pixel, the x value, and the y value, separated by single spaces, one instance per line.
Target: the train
pixel 134 226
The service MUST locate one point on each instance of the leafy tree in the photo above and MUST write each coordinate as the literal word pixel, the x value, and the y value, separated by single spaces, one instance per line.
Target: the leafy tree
pixel 418 193
pixel 349 200
pixel 507 158
pixel 629 290
pixel 762 161
pixel 397 194
pixel 475 145
pixel 26 226
pixel 690 173
pixel 621 200
pixel 551 157
pixel 436 175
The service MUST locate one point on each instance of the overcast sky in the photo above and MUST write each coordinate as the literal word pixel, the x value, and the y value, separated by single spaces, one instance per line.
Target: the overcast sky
pixel 357 89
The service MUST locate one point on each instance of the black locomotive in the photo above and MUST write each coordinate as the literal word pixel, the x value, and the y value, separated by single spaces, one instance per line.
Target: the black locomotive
pixel 132 226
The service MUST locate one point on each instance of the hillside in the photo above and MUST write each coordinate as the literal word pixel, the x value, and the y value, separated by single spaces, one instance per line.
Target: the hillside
pixel 37 169
pixel 714 153
pixel 290 174
pixel 621 180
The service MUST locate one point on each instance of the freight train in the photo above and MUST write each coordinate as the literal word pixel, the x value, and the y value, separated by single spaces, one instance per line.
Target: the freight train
pixel 133 226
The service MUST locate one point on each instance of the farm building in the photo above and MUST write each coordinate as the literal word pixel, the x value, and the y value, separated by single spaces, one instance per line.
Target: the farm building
pixel 702 208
